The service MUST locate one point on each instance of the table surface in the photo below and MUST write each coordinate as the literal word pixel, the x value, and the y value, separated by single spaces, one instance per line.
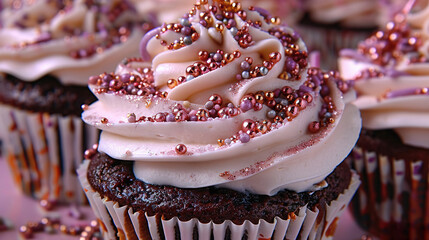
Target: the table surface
pixel 19 210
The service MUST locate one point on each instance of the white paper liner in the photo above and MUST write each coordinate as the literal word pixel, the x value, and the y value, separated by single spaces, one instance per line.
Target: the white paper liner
pixel 383 210
pixel 43 152
pixel 123 223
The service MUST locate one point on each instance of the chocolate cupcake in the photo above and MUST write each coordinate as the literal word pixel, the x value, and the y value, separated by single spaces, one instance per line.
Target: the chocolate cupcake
pixel 390 70
pixel 332 25
pixel 47 50
pixel 221 129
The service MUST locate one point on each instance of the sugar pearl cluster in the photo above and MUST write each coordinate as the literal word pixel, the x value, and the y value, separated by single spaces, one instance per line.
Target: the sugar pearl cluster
pixel 286 103
pixel 188 32
pixel 54 226
pixel 208 62
pixel 387 47
pixel 139 83
pixel 296 58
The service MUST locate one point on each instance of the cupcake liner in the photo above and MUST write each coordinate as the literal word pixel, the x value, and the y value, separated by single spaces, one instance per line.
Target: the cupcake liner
pixel 329 41
pixel 123 223
pixel 43 151
pixel 394 197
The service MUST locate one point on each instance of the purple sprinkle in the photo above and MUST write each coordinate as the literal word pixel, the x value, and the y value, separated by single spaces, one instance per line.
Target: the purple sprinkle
pixel 305 89
pixel 277 93
pixel 125 78
pixel 203 23
pixel 186 31
pixel 325 90
pixel 245 65
pixel 296 36
pixel 232 23
pixel 371 159
pixel 212 113
pixel 244 137
pixel 246 105
pixel 238 76
pixel 217 57
pixel 290 64
pixel 399 173
pixel 170 118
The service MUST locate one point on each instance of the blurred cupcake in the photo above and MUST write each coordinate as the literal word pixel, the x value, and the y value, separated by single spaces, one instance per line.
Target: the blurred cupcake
pixel 172 10
pixel 47 50
pixel 391 73
pixel 329 26
pixel 220 130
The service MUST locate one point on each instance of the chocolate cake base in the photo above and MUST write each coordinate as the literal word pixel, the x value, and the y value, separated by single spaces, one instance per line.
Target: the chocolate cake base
pixel 115 180
pixel 392 202
pixel 46 94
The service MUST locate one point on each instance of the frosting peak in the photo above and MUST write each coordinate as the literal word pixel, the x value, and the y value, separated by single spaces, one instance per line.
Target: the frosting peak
pixel 225 98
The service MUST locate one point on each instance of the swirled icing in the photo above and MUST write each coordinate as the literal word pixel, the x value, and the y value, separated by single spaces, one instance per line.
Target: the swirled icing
pixel 71 40
pixel 392 78
pixel 166 114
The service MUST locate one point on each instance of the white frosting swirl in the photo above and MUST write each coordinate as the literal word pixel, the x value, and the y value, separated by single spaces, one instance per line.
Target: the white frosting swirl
pixel 287 156
pixel 397 98
pixel 71 41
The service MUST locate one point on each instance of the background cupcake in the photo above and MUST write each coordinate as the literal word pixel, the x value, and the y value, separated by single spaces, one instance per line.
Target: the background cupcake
pixel 329 26
pixel 47 50
pixel 224 131
pixel 391 77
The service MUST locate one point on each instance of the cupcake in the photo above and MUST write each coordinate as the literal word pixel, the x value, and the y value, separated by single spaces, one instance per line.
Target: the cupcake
pixel 329 26
pixel 390 71
pixel 47 48
pixel 220 130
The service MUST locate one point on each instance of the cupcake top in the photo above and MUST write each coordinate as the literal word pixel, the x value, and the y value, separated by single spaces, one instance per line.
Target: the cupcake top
pixel 352 13
pixel 225 97
pixel 391 74
pixel 70 40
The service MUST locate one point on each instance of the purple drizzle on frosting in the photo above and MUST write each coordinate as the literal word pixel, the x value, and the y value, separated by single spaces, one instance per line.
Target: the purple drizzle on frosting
pixel 405 92
pixel 145 40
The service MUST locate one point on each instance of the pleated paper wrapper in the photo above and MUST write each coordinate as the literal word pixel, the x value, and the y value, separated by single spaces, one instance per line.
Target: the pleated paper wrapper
pixel 393 201
pixel 43 152
pixel 123 223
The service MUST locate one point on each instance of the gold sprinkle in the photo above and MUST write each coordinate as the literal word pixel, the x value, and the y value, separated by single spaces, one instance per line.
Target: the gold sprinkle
pixel 104 120
pixel 275 20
